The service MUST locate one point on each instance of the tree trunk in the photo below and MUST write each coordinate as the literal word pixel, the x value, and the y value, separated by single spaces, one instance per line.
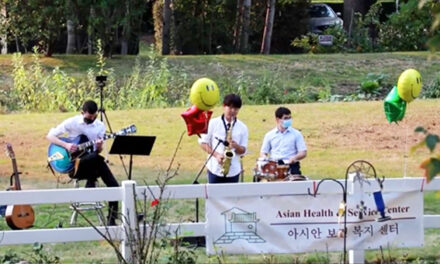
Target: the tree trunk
pixel 268 27
pixel 203 26
pixel 166 27
pixel 71 37
pixel 49 49
pixel 17 45
pixel 71 22
pixel 238 26
pixel 90 34
pixel 245 27
pixel 124 46
pixel 89 44
pixel 210 37
pixel 354 6
pixel 176 47
pixel 4 44
pixel 126 29
pixel 4 41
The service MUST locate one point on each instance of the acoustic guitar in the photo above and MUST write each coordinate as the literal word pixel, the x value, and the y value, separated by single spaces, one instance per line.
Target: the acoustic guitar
pixel 17 216
pixel 62 161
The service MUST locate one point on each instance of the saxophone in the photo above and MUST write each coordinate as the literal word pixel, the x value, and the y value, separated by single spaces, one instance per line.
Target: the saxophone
pixel 228 153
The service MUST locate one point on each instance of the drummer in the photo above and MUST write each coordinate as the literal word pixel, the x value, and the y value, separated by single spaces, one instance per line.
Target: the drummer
pixel 284 143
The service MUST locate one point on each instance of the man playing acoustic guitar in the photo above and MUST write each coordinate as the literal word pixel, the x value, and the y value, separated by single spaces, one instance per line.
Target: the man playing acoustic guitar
pixel 91 165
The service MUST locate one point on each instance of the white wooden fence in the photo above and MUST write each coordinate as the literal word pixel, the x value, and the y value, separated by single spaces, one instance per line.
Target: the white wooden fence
pixel 125 194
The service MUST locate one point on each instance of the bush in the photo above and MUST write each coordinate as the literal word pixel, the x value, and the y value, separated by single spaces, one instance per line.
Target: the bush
pixel 10 257
pixel 309 42
pixel 407 30
pixel 365 30
pixel 149 85
pixel 372 82
pixel 432 90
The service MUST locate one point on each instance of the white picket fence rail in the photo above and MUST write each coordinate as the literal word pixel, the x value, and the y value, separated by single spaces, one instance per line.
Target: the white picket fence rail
pixel 125 194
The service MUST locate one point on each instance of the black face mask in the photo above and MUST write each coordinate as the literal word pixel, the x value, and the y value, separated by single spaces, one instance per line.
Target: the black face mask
pixel 88 121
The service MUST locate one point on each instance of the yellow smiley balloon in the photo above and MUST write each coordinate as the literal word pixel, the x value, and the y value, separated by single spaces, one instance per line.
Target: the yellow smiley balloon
pixel 204 94
pixel 409 85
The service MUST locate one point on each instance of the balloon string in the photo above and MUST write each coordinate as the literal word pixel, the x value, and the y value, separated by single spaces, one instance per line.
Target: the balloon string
pixel 405 154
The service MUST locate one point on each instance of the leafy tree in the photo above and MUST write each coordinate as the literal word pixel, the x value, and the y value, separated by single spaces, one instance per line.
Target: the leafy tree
pixel 132 24
pixel 410 28
pixel 202 26
pixel 43 23
pixel 38 22
pixel 283 29
pixel 104 22
pixel 434 41
pixel 15 22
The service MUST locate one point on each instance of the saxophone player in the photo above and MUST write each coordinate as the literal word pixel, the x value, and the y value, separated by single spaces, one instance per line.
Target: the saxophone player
pixel 226 140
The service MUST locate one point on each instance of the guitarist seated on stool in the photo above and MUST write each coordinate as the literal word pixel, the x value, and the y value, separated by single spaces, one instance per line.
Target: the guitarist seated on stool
pixel 91 165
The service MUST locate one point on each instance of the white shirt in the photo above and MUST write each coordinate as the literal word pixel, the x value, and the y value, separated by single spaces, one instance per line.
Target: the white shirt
pixel 216 129
pixel 283 145
pixel 76 126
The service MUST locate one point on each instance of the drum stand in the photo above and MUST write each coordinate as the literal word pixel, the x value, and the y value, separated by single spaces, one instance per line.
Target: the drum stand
pixel 100 82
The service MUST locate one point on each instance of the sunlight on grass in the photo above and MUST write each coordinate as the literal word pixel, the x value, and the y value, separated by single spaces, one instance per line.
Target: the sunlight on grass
pixel 336 135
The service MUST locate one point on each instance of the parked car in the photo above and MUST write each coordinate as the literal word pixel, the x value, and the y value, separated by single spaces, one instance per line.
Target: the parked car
pixel 322 16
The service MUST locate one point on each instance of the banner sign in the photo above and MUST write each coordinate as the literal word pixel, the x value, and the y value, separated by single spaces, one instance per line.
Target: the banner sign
pixel 303 223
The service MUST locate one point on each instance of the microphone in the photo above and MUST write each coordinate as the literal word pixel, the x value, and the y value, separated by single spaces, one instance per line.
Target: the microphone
pixel 226 143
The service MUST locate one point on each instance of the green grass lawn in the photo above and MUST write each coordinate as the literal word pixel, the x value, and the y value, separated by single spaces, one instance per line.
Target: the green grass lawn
pixel 336 135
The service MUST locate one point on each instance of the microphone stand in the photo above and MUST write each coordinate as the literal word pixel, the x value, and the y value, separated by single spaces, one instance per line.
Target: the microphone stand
pixel 200 172
pixel 201 240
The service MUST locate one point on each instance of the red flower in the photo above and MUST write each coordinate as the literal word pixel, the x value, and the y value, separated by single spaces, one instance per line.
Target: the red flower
pixel 155 202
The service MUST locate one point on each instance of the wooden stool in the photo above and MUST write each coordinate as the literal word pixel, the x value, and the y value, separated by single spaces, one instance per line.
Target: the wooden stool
pixel 86 206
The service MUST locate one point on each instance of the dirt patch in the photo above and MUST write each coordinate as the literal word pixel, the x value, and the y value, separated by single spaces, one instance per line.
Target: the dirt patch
pixel 378 136
pixel 346 87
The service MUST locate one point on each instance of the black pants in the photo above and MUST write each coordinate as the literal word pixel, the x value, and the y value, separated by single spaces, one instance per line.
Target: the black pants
pixel 212 178
pixel 91 167
pixel 295 168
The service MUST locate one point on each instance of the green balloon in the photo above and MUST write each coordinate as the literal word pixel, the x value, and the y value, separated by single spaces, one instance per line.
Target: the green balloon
pixel 394 106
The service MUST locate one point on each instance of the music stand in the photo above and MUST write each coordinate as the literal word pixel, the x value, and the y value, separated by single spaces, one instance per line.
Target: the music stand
pixel 132 145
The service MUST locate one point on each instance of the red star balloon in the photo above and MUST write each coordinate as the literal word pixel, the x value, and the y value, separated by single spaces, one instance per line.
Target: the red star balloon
pixel 196 120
